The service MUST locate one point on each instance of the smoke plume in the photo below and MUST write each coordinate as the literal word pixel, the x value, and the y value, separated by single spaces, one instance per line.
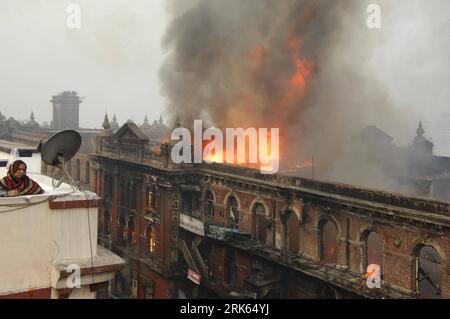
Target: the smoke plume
pixel 304 66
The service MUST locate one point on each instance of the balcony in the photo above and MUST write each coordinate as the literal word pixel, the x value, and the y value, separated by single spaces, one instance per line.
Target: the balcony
pixel 49 244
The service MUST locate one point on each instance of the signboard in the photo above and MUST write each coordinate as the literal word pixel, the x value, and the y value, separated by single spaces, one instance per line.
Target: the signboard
pixel 193 276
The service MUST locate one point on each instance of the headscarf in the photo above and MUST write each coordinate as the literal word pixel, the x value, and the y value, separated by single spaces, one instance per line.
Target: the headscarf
pixel 25 185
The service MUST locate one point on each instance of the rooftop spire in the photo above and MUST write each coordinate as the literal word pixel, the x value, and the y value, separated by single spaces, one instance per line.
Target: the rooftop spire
pixel 177 122
pixel 420 130
pixel 106 124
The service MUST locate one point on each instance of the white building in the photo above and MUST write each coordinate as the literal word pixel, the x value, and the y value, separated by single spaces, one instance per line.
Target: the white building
pixel 48 242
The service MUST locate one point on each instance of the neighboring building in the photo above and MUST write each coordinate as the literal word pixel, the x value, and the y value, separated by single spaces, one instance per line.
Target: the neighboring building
pixel 415 170
pixel 32 124
pixel 114 124
pixel 155 132
pixel 66 110
pixel 48 239
pixel 224 231
pixel 215 230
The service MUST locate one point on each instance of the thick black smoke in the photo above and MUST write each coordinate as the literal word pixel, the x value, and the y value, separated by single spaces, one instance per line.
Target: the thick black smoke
pixel 232 63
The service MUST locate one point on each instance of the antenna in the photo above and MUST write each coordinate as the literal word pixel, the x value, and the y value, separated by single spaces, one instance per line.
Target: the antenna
pixel 58 150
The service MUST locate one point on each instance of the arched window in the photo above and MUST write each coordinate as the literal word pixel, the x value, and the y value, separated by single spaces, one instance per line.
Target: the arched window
pixel 122 187
pixel 77 169
pixel 134 195
pixel 260 222
pixel 233 212
pixel 87 172
pixel 122 231
pixel 152 197
pixel 293 232
pixel 151 240
pixel 107 222
pixel 328 243
pixel 131 239
pixel 374 250
pixel 108 188
pixel 428 274
pixel 209 204
pixel 125 192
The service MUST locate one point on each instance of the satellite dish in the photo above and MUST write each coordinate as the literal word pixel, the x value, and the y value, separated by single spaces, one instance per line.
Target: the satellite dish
pixel 58 150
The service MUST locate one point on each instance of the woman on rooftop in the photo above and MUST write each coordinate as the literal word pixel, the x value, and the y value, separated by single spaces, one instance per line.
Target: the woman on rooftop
pixel 17 183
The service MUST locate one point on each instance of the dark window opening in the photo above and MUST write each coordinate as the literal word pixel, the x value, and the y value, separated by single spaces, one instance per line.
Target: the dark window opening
pixel 107 223
pixel 294 232
pixel 428 273
pixel 261 222
pixel 134 196
pixel 375 251
pixel 122 231
pixel 329 243
pixel 209 204
pixel 77 169
pixel 190 203
pixel 87 173
pixel 233 213
pixel 131 238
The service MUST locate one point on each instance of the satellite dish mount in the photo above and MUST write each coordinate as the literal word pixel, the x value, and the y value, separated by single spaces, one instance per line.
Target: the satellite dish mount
pixel 59 149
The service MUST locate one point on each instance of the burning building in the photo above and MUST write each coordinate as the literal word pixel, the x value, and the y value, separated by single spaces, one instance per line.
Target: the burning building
pixel 217 230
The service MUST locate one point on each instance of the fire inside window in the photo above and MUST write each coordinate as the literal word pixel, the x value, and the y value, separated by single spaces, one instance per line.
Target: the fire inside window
pixel 151 235
pixel 329 243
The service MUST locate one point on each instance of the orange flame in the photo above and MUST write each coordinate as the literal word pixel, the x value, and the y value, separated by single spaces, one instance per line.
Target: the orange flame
pixel 297 84
pixel 295 89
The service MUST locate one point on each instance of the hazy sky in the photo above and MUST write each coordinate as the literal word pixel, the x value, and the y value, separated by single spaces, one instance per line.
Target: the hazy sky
pixel 113 60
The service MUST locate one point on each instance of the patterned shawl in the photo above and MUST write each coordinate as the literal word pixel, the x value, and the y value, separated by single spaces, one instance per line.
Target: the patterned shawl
pixel 25 185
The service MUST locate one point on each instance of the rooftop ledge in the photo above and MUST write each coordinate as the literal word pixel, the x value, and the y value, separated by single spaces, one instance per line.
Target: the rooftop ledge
pixel 41 234
pixel 59 198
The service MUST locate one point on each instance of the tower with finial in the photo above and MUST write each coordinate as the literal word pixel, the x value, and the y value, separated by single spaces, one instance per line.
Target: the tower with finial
pixel 420 130
pixel 106 126
pixel 177 122
pixel 32 124
pixel 421 145
pixel 146 127
pixel 114 124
